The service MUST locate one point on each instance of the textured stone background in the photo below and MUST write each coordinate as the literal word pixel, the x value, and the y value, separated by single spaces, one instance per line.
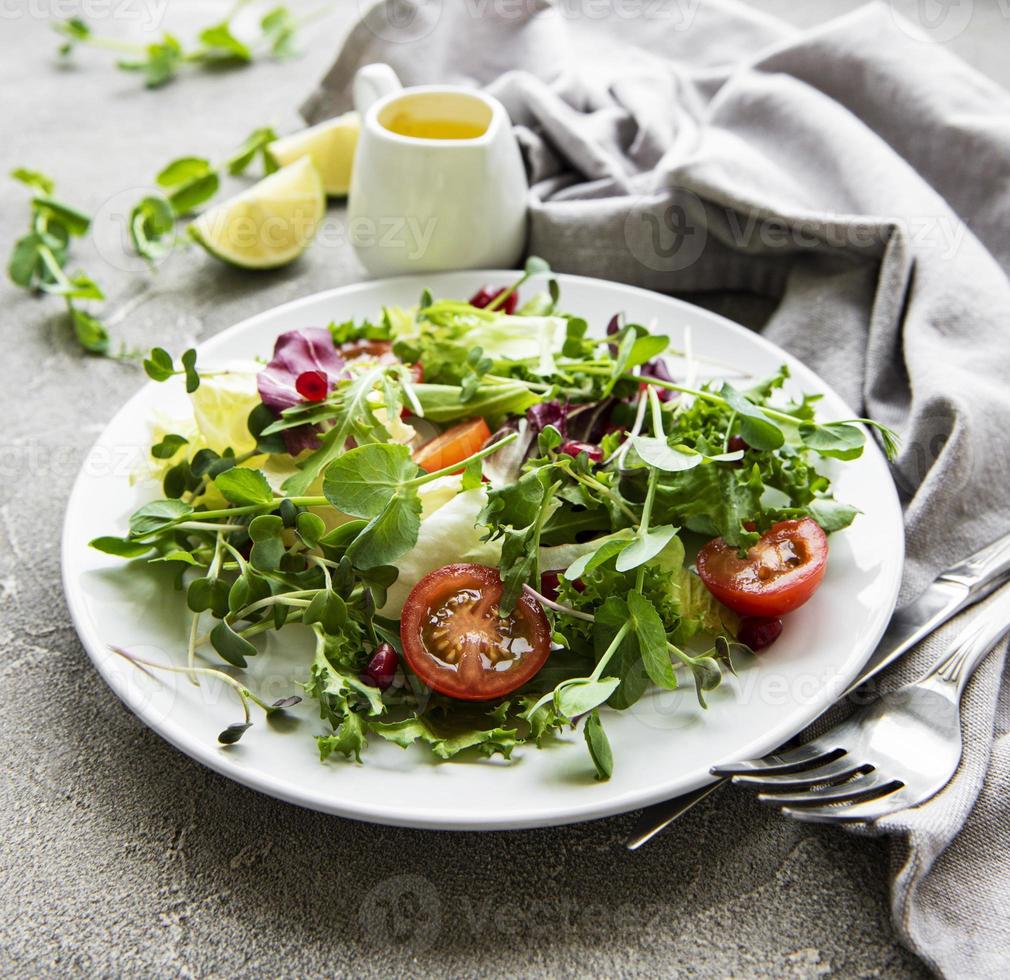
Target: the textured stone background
pixel 121 856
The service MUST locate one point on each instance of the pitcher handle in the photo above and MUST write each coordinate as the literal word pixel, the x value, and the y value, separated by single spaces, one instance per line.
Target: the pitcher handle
pixel 373 82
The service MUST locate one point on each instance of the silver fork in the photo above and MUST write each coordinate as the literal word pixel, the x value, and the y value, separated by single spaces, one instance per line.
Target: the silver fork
pixel 894 754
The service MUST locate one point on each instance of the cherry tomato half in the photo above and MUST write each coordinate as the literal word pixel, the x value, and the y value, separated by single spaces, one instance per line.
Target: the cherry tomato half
pixel 457 644
pixel 452 446
pixel 377 350
pixel 778 575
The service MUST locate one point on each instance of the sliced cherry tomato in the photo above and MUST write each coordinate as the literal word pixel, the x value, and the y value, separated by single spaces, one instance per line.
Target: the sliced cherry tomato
pixel 377 350
pixel 778 575
pixel 453 445
pixel 457 644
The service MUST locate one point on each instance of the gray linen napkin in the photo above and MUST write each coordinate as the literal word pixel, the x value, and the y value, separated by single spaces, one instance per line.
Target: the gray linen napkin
pixel 847 191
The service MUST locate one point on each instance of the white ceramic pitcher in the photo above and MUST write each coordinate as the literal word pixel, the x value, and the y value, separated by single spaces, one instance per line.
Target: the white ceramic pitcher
pixel 426 203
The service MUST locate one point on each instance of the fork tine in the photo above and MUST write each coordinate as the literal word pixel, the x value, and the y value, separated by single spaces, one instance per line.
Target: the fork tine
pixel 888 799
pixel 841 768
pixel 781 761
pixel 855 790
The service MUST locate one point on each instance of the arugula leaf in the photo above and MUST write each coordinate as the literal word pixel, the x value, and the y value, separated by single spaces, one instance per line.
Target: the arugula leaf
pixel 352 412
pixel 526 505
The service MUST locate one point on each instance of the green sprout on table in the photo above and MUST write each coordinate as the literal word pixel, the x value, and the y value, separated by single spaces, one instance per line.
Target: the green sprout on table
pixel 217 45
pixel 38 260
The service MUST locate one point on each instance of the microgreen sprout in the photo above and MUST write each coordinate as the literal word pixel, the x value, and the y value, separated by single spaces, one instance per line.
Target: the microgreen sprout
pixel 38 260
pixel 218 45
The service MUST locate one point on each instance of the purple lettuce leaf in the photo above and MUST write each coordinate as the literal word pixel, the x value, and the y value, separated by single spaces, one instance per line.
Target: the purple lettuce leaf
pixel 295 352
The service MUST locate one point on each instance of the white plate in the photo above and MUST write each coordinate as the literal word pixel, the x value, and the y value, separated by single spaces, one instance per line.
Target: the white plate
pixel 662 747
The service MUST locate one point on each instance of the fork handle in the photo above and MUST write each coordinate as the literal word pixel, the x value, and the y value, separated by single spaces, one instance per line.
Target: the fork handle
pixel 983 567
pixel 973 644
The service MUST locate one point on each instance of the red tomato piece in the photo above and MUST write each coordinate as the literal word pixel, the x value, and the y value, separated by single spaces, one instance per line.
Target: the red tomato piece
pixel 779 573
pixel 452 446
pixel 458 645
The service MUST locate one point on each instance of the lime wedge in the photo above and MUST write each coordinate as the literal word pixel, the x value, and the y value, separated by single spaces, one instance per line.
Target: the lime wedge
pixel 268 225
pixel 330 145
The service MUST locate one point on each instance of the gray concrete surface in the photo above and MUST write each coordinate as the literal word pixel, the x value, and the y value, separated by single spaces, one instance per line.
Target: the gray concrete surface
pixel 122 857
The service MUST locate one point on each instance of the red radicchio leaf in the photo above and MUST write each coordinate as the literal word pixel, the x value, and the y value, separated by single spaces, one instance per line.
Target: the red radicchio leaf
pixel 295 353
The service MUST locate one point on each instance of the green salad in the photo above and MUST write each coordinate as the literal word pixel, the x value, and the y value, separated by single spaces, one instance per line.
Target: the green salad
pixel 494 521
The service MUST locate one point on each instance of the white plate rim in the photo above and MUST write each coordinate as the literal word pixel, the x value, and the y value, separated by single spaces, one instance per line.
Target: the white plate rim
pixel 434 819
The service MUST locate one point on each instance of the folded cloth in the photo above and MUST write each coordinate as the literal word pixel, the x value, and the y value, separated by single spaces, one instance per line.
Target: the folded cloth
pixel 847 191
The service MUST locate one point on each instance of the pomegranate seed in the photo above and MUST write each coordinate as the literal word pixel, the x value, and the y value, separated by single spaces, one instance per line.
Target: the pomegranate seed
pixel 313 386
pixel 759 632
pixel 484 296
pixel 737 444
pixel 381 667
pixel 574 449
pixel 550 584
